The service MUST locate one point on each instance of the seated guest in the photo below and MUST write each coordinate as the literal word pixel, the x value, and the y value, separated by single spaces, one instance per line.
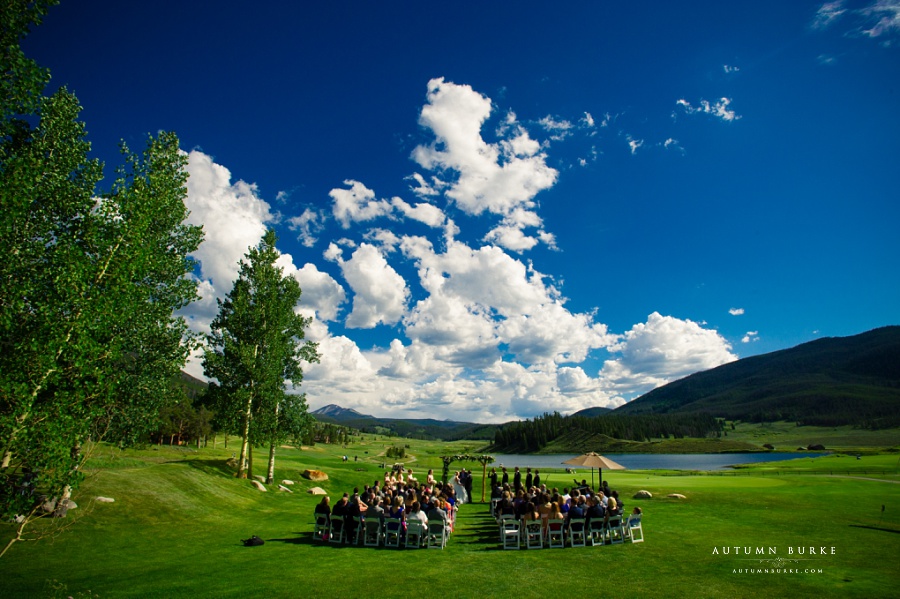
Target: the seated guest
pixel 611 506
pixel 397 510
pixel 530 514
pixel 435 513
pixel 595 511
pixel 555 512
pixel 341 511
pixel 416 513
pixel 323 508
pixel 576 511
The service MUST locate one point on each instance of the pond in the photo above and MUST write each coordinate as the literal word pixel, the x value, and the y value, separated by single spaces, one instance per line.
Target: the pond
pixel 651 461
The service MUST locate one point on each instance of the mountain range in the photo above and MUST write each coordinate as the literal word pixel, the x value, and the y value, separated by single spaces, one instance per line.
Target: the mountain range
pixel 827 382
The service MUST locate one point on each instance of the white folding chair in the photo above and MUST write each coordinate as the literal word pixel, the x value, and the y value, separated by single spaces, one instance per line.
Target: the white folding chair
pixel 510 533
pixel 372 535
pixel 576 533
pixel 614 530
pixel 632 526
pixel 415 534
pixel 534 537
pixel 596 532
pixel 358 531
pixel 320 527
pixel 336 530
pixel 437 535
pixel 393 527
pixel 555 535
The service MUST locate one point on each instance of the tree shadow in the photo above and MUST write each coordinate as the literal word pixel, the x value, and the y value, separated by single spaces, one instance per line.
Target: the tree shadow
pixel 213 467
pixel 875 528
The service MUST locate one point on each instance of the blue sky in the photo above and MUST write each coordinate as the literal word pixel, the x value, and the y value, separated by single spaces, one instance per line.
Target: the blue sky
pixel 496 210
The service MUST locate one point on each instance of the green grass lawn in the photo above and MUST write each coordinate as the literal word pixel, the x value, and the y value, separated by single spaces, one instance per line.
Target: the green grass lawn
pixel 176 525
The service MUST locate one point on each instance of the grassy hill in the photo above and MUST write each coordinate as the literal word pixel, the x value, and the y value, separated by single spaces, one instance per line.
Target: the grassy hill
pixel 828 382
pixel 174 531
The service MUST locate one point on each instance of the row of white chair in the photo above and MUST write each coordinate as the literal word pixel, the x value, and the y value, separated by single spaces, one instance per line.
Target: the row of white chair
pixel 372 532
pixel 533 534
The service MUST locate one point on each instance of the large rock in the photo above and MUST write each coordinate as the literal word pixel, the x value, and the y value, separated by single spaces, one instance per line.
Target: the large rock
pixel 283 488
pixel 317 491
pixel 261 479
pixel 676 496
pixel 288 482
pixel 315 475
pixel 104 499
pixel 642 494
pixel 259 486
pixel 816 447
pixel 72 505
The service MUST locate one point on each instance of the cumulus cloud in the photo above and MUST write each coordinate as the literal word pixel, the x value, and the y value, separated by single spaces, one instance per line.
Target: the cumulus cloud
pixel 750 337
pixel 718 109
pixel 380 293
pixel 357 204
pixel 488 177
pixel 661 350
pixel 233 216
pixel 321 293
pixel 736 311
pixel 422 212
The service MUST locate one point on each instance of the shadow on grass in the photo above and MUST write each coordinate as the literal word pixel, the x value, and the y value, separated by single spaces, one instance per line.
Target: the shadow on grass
pixel 875 528
pixel 214 467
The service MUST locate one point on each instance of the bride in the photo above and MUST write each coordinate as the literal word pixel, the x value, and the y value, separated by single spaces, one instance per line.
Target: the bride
pixel 460 490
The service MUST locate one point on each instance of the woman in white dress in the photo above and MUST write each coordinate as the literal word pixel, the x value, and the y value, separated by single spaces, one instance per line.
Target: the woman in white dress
pixel 460 491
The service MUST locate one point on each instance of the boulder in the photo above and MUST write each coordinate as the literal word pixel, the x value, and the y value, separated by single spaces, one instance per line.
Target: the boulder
pixel 642 494
pixel 316 475
pixel 105 499
pixel 816 447
pixel 49 505
pixel 283 488
pixel 288 482
pixel 72 505
pixel 261 479
pixel 676 496
pixel 259 486
pixel 317 491
pixel 769 446
pixel 232 463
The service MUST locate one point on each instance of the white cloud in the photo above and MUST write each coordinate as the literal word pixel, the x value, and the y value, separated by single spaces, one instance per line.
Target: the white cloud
pixel 634 144
pixel 233 216
pixel 380 293
pixel 489 177
pixel 719 109
pixel 750 337
pixel 422 212
pixel 730 69
pixel 321 293
pixel 587 120
pixel 558 130
pixel 736 311
pixel 308 225
pixel 511 238
pixel 662 350
pixel 886 17
pixel 827 14
pixel 357 204
pixel 423 189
